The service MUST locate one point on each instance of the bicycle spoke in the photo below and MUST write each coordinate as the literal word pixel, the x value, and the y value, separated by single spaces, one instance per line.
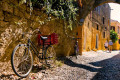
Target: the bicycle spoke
pixel 22 61
pixel 50 56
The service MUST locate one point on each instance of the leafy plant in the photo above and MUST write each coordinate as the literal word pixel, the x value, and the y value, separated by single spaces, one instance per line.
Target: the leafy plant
pixel 63 9
pixel 113 36
pixel 58 63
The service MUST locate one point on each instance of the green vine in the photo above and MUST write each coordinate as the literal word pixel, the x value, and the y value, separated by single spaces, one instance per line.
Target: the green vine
pixel 63 9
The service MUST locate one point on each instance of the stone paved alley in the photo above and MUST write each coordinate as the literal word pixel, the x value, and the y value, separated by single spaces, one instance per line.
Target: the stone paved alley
pixel 90 66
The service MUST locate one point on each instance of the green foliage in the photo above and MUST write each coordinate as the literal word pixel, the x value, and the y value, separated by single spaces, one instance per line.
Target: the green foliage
pixel 63 9
pixel 58 63
pixel 113 36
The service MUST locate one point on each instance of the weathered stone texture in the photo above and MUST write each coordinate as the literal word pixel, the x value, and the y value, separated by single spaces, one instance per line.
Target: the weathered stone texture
pixel 7 7
pixel 27 15
pixel 1 15
pixel 18 20
pixel 3 24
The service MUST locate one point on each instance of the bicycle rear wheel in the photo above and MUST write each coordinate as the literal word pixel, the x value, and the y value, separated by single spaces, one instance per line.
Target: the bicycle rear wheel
pixel 50 56
pixel 21 60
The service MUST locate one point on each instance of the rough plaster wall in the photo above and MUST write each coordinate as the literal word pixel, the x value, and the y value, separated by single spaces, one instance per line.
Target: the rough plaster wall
pixel 16 19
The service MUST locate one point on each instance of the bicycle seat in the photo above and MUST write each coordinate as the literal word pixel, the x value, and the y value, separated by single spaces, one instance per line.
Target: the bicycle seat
pixel 43 37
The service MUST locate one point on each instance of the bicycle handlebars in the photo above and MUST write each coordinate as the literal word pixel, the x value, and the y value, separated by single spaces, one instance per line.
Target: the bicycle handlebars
pixel 30 33
pixel 36 30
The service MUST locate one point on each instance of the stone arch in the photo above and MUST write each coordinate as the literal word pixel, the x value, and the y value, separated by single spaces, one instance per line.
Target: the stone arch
pixel 101 2
pixel 88 6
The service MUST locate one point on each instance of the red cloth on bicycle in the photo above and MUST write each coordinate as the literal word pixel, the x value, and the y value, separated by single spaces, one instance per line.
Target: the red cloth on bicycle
pixel 52 39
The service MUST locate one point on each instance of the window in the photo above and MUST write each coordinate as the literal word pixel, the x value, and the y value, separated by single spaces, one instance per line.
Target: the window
pixel 118 29
pixel 88 24
pixel 96 42
pixel 114 28
pixel 108 22
pixel 97 27
pixel 119 41
pixel 105 28
pixel 103 34
pixel 111 28
pixel 103 20
pixel 99 10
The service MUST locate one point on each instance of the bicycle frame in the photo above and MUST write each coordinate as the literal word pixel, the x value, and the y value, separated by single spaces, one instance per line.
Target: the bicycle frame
pixel 31 45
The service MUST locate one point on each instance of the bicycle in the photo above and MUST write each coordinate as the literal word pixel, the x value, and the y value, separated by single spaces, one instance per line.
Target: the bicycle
pixel 76 47
pixel 22 57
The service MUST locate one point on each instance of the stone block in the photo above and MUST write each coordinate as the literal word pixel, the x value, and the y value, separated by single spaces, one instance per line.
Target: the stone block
pixel 14 19
pixel 7 16
pixel 27 15
pixel 7 7
pixel 0 5
pixel 23 7
pixel 2 23
pixel 1 15
pixel 16 2
pixel 28 9
pixel 17 12
pixel 33 17
pixel 21 14
pixel 8 1
pixel 37 12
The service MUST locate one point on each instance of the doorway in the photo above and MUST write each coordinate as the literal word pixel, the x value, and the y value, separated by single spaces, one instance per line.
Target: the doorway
pixel 96 46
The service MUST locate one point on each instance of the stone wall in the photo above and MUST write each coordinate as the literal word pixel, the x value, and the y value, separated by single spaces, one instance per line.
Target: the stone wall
pixel 16 19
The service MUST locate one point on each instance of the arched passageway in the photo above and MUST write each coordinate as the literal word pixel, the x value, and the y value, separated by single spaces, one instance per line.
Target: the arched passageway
pixel 86 8
pixel 89 5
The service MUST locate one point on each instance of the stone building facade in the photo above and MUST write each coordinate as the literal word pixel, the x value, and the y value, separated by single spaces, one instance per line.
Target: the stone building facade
pixel 115 25
pixel 96 28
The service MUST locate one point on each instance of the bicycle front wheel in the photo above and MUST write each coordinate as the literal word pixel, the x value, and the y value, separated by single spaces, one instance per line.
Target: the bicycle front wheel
pixel 50 56
pixel 21 60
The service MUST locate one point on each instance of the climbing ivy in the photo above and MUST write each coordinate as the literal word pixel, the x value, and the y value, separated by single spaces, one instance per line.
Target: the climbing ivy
pixel 63 9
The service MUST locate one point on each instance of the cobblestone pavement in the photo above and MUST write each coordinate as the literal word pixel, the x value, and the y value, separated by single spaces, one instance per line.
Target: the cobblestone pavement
pixel 90 66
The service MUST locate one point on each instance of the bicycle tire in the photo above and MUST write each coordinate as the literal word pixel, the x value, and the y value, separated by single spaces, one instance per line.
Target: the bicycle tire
pixel 50 56
pixel 23 60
